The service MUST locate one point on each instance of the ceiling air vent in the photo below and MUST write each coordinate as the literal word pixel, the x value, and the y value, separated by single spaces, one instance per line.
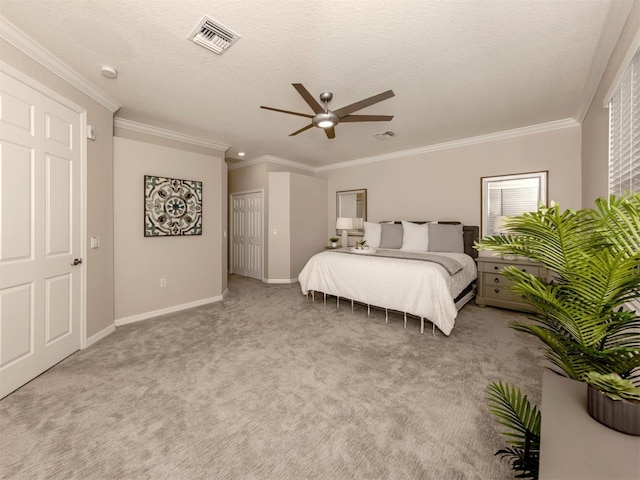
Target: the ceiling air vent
pixel 212 35
pixel 385 135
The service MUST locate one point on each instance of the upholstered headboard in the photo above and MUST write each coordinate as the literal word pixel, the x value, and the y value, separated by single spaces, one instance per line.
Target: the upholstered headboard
pixel 470 234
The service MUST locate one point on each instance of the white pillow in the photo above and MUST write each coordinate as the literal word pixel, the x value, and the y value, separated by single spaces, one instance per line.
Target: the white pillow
pixel 416 237
pixel 372 233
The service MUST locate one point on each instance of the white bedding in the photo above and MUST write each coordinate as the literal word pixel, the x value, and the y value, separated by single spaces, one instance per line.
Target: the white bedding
pixel 420 288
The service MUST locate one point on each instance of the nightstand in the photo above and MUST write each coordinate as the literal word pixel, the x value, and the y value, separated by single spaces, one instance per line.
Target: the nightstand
pixel 493 287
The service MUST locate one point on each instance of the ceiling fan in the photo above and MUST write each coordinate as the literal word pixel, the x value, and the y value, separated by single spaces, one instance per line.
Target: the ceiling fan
pixel 327 119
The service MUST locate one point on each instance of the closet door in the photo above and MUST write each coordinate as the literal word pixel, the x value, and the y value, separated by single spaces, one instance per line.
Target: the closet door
pixel 238 235
pixel 246 234
pixel 254 230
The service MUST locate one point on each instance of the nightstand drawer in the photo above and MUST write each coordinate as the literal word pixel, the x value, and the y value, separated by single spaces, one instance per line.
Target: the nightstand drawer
pixel 497 267
pixel 502 292
pixel 496 279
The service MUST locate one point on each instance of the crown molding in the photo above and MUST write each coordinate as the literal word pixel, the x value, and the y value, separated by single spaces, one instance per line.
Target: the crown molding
pixel 492 137
pixel 273 159
pixel 613 25
pixel 25 44
pixel 168 134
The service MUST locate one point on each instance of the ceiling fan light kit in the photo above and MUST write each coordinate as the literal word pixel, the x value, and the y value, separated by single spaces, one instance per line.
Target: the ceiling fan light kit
pixel 326 119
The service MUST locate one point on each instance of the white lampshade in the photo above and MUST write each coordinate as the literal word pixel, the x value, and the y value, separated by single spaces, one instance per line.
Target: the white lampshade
pixel 344 223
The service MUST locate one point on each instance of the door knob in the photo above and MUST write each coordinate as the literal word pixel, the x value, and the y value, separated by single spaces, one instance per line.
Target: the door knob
pixel 76 261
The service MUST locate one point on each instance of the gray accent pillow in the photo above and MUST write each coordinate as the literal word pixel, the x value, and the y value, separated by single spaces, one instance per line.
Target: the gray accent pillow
pixel 391 235
pixel 445 238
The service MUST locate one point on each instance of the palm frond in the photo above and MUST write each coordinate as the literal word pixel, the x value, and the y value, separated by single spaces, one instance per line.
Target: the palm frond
pixel 515 412
pixel 594 255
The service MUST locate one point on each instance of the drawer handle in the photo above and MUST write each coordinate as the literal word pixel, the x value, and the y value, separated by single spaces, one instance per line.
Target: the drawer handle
pixel 496 280
pixel 497 290
pixel 496 267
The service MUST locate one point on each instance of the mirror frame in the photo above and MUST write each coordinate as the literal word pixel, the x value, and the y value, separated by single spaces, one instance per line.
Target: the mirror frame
pixel 543 193
pixel 358 231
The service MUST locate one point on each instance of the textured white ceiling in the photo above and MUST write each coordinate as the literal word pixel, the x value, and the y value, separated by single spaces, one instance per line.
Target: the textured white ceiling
pixel 458 68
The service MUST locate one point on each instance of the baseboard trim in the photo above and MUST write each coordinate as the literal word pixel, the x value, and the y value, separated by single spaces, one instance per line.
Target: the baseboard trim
pixel 163 311
pixel 280 280
pixel 100 335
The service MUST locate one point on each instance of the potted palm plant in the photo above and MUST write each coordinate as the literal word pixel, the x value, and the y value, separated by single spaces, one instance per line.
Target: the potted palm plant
pixel 589 335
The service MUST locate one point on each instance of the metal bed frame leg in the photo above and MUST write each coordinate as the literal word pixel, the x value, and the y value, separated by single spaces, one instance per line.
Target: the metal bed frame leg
pixel 313 296
pixel 405 319
pixel 325 298
pixel 338 302
pixel 433 331
pixel 386 316
pixel 368 310
pixel 421 325
pixel 351 305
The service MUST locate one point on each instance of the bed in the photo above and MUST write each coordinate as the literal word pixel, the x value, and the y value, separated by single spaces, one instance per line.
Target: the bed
pixel 422 269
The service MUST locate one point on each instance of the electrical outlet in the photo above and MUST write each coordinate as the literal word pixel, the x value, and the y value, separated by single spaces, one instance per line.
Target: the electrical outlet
pixel 163 282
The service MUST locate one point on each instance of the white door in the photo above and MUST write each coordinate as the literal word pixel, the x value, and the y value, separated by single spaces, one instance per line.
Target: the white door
pixel 238 235
pixel 254 235
pixel 246 235
pixel 40 236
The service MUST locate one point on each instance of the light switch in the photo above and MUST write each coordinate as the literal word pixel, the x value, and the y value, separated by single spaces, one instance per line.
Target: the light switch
pixel 95 242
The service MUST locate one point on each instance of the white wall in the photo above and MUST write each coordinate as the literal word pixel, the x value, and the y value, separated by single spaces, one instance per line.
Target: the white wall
pixel 445 184
pixel 308 208
pixel 595 126
pixel 192 265
pixel 279 227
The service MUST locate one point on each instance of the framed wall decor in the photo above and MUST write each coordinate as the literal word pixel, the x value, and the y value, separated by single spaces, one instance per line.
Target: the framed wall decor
pixel 172 207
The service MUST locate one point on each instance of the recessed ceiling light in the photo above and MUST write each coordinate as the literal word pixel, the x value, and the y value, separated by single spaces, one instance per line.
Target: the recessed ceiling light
pixel 241 154
pixel 108 71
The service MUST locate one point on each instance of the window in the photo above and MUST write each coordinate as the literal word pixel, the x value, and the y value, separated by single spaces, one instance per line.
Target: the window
pixel 624 132
pixel 510 195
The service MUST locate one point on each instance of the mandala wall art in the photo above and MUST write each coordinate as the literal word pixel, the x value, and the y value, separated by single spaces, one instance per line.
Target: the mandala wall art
pixel 172 207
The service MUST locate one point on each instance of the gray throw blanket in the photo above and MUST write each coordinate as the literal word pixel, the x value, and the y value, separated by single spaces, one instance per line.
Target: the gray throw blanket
pixel 451 265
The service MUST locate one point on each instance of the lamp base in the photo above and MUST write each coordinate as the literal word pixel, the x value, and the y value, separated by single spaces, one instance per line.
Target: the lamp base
pixel 344 240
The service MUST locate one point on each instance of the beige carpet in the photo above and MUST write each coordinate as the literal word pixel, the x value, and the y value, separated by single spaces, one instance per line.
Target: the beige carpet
pixel 267 385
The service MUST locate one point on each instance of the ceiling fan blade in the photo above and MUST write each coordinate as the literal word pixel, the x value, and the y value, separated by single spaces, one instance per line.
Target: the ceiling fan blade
pixel 366 118
pixel 287 111
pixel 331 132
pixel 301 130
pixel 344 111
pixel 312 102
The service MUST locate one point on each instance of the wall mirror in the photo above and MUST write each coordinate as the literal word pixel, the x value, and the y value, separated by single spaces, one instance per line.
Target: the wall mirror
pixel 352 204
pixel 510 195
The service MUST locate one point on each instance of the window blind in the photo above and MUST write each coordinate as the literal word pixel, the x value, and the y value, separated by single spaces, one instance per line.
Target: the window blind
pixel 624 132
pixel 513 197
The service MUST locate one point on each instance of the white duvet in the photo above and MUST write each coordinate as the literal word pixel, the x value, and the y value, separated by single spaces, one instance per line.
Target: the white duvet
pixel 420 288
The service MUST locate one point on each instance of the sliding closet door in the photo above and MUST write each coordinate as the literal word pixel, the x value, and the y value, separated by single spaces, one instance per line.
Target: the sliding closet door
pixel 246 234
